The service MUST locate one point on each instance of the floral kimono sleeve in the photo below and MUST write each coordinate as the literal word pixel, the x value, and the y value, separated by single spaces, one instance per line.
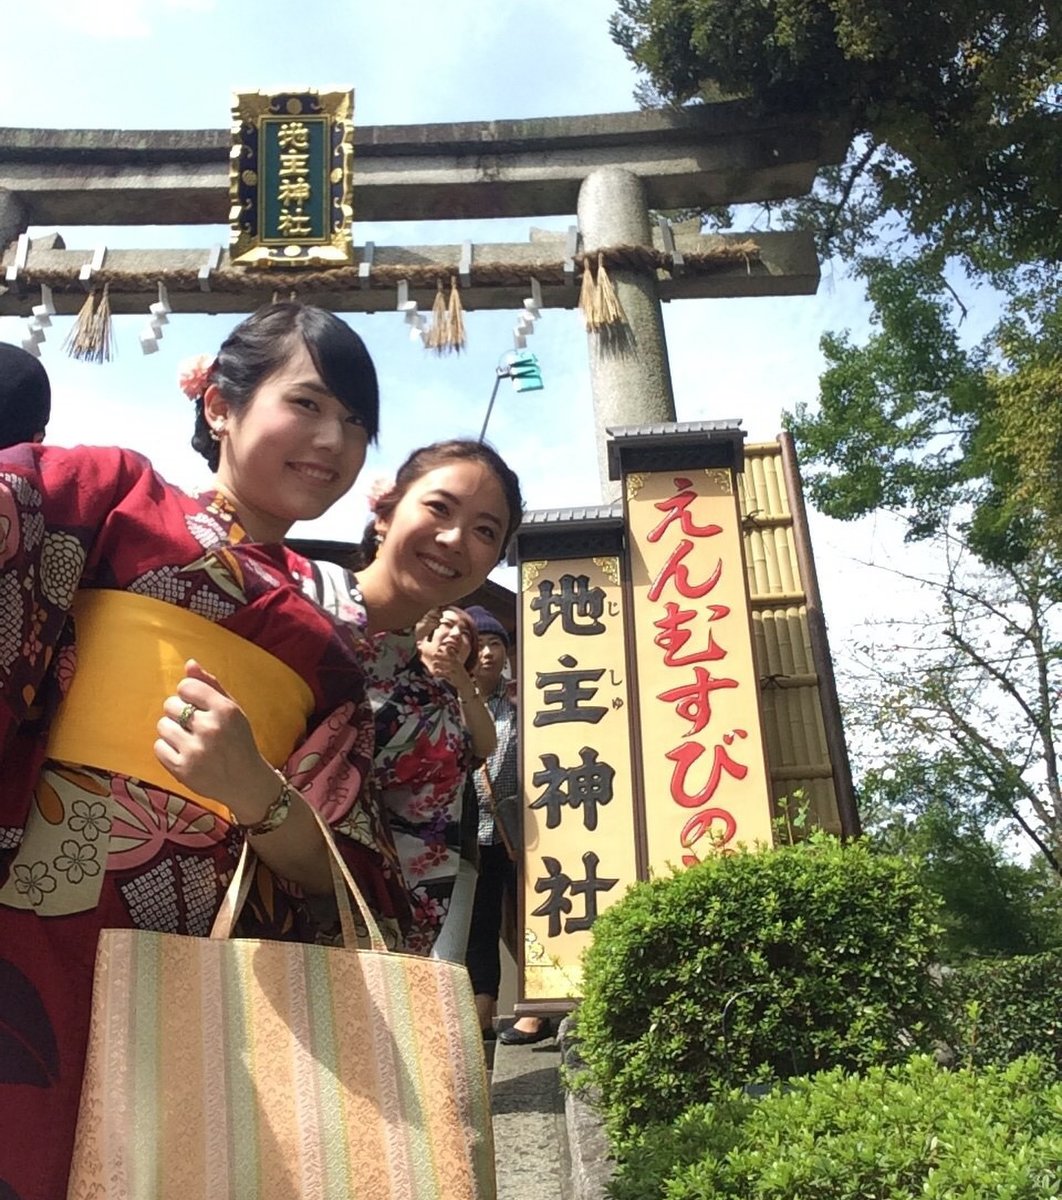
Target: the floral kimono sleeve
pixel 55 506
pixel 332 770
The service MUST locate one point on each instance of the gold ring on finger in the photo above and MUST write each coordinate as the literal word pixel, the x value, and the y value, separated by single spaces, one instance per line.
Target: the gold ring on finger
pixel 185 719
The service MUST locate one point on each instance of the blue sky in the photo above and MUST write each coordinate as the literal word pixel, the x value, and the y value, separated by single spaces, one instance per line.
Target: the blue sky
pixel 175 63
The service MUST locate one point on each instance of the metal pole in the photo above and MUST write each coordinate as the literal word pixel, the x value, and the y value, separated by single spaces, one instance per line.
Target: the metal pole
pixel 499 374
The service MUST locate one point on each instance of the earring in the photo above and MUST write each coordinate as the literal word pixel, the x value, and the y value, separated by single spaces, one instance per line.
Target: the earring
pixel 217 431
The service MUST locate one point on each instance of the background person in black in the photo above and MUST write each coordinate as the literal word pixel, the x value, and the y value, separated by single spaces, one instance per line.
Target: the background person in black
pixel 25 397
pixel 497 790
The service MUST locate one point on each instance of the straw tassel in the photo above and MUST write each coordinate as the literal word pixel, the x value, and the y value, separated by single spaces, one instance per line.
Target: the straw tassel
pixel 586 297
pixel 608 307
pixel 91 340
pixel 438 336
pixel 78 337
pixel 102 332
pixel 456 315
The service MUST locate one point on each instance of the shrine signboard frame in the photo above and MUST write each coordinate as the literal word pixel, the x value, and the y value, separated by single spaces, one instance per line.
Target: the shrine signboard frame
pixel 756 633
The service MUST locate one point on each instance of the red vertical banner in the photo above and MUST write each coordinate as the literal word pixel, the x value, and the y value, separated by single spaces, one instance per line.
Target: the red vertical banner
pixel 703 766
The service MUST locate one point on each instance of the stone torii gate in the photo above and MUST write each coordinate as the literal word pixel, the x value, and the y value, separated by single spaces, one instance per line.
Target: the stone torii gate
pixel 612 170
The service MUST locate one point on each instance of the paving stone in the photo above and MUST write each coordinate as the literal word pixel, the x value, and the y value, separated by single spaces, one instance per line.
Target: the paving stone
pixel 531 1149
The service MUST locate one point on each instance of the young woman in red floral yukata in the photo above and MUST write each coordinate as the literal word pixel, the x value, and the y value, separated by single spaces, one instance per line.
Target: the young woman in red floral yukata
pixel 147 639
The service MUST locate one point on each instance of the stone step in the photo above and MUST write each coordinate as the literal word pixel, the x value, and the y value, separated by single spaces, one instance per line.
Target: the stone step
pixel 530 1139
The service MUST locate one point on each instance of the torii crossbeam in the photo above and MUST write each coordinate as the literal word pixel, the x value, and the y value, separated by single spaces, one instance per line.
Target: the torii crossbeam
pixel 610 169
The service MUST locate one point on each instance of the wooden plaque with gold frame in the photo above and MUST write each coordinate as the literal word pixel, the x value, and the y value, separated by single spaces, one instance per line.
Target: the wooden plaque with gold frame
pixel 291 178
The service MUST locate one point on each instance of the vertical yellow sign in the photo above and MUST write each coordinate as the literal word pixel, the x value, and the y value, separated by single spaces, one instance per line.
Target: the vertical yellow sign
pixel 579 841
pixel 702 753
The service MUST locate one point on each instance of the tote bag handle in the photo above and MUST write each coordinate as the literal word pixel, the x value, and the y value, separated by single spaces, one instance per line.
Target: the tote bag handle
pixel 343 886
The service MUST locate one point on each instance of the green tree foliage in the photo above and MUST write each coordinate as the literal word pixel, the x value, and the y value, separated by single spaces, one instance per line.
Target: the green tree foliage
pixel 896 1133
pixel 956 110
pixel 818 955
pixel 1026 386
pixel 955 104
pixel 1004 1008
pixel 914 423
pixel 899 420
pixel 973 684
pixel 931 810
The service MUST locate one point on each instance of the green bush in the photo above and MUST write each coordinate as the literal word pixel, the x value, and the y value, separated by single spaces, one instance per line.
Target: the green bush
pixel 898 1133
pixel 1004 1008
pixel 823 951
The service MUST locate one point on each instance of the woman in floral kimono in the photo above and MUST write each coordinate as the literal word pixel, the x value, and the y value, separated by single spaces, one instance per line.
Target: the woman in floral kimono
pixel 437 533
pixel 143 633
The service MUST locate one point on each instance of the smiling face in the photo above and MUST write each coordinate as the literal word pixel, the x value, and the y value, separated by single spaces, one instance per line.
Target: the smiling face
pixel 444 536
pixel 290 453
pixel 452 635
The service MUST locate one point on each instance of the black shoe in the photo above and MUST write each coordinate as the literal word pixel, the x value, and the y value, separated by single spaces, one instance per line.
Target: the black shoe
pixel 518 1037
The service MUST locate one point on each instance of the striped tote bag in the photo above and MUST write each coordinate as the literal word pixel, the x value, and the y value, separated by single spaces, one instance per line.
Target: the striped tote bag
pixel 240 1069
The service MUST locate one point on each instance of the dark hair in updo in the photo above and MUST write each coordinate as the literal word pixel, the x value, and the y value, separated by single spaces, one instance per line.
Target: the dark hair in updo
pixel 442 454
pixel 261 345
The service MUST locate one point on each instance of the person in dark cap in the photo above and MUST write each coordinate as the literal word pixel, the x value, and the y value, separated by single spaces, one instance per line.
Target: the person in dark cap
pixel 498 793
pixel 25 397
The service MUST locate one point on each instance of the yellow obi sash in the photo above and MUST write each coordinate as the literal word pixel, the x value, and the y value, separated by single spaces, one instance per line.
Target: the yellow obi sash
pixel 131 652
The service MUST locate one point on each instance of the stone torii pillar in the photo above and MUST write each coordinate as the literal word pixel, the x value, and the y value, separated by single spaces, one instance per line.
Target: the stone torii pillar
pixel 630 375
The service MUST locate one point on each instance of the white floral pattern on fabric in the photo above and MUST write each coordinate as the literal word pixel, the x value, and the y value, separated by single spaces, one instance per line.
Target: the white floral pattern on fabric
pixel 211 606
pixel 152 898
pixel 199 891
pixel 84 821
pixel 62 560
pixel 163 583
pixel 207 530
pixel 32 529
pixel 11 615
pixel 23 491
pixel 89 818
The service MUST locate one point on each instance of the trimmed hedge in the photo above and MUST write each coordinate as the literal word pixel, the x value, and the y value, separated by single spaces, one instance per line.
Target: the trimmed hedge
pixel 899 1133
pixel 822 950
pixel 1004 1008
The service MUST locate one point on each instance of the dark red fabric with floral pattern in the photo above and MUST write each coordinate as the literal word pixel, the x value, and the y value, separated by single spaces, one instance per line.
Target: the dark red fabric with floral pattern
pixel 81 849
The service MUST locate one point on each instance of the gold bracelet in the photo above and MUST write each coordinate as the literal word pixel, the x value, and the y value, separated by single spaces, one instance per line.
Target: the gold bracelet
pixel 276 814
pixel 476 695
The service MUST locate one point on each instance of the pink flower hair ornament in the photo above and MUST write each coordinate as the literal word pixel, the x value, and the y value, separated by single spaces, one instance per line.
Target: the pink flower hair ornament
pixel 376 491
pixel 193 375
